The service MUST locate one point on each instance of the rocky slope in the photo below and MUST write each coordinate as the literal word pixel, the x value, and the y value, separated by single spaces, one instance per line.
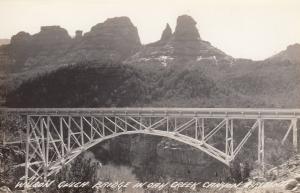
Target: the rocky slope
pixel 183 46
pixel 291 55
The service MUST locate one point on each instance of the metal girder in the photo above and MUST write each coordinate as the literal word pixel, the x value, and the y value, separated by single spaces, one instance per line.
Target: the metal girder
pixel 234 113
pixel 261 145
pixel 55 137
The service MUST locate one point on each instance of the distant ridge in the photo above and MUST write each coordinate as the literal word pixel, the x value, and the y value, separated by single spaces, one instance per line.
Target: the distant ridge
pixel 290 54
pixel 4 41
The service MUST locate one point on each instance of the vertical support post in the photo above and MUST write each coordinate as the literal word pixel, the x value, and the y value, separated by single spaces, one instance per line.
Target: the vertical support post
pixel 47 148
pixel 167 123
pixel 226 136
pixel 295 134
pixel 61 136
pixel 231 134
pixel 81 130
pixel 27 151
pixel 202 129
pixel 261 146
pixel 92 132
pixel 115 123
pixel 229 138
pixel 103 128
pixel 126 129
pixel 141 121
pixel 69 133
pixel 196 128
pixel 42 122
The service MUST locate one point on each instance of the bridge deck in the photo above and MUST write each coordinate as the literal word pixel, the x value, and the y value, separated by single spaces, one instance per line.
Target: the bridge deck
pixel 63 133
pixel 242 113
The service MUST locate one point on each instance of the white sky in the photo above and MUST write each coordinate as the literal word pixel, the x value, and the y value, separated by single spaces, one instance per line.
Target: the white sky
pixel 253 29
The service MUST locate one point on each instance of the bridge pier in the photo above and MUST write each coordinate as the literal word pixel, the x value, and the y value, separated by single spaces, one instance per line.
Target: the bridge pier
pixel 229 138
pixel 295 134
pixel 261 146
pixel 27 153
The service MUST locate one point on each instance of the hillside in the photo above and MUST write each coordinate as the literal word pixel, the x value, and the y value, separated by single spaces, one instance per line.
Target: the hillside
pixel 118 85
pixel 290 54
pixel 104 85
pixel 116 41
pixel 108 67
pixel 83 85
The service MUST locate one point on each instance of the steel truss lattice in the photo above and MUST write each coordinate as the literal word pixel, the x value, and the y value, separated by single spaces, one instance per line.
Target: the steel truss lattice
pixel 54 137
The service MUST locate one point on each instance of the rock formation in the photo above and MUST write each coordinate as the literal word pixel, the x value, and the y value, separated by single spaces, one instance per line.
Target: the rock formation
pixel 115 39
pixel 167 33
pixel 186 29
pixel 20 38
pixel 20 46
pixel 51 37
pixel 31 50
pixel 183 46
pixel 291 55
pixel 78 34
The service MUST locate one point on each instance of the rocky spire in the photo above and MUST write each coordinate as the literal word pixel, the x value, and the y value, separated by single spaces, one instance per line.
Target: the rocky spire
pixel 186 29
pixel 167 33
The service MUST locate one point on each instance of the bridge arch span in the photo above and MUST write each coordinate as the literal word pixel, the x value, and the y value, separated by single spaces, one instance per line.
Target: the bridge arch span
pixel 54 137
pixel 174 136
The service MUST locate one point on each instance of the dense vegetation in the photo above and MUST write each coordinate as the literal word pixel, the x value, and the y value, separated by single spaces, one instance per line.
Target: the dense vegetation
pixel 81 86
pixel 93 84
pixel 109 85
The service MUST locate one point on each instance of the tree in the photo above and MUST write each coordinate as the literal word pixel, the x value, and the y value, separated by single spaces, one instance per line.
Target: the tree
pixel 83 169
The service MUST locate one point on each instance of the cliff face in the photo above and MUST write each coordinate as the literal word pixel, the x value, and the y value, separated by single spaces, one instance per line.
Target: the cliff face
pixel 113 40
pixel 183 46
pixel 186 29
pixel 34 51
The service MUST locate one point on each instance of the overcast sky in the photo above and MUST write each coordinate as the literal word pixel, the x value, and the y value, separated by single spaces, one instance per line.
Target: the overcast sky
pixel 253 29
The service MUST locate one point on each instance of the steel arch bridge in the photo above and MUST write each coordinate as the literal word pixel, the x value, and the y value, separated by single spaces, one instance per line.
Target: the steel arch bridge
pixel 56 136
